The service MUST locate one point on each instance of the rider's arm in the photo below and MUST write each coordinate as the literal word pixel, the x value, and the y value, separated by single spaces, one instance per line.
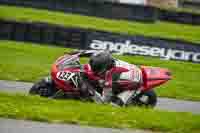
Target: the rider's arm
pixel 107 89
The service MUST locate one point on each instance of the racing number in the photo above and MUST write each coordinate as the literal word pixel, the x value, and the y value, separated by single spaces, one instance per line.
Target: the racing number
pixel 67 76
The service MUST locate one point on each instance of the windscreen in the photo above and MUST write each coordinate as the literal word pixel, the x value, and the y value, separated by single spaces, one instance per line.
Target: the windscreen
pixel 68 61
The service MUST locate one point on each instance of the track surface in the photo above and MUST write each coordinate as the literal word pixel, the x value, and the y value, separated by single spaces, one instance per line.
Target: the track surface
pixel 20 126
pixel 163 103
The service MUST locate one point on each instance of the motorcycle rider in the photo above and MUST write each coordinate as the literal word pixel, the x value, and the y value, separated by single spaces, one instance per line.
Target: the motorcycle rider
pixel 103 65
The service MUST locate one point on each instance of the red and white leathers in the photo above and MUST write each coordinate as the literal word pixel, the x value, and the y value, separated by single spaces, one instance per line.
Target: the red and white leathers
pixel 127 73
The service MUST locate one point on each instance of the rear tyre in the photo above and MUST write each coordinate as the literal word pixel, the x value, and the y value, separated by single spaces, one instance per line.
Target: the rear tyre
pixel 148 99
pixel 43 88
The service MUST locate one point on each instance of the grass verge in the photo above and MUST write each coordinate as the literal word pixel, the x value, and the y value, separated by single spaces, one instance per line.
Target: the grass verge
pixel 29 62
pixel 74 112
pixel 159 29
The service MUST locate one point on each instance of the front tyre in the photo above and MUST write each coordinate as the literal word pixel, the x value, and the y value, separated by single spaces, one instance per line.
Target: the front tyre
pixel 148 98
pixel 43 88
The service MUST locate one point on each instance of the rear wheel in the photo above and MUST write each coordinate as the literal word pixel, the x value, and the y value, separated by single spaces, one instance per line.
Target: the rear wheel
pixel 43 88
pixel 147 99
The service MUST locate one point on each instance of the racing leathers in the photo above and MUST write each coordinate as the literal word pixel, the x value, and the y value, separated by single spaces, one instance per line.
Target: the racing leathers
pixel 110 80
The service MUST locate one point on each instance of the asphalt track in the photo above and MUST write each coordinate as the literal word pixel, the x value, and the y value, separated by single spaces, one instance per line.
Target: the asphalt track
pixel 21 126
pixel 163 103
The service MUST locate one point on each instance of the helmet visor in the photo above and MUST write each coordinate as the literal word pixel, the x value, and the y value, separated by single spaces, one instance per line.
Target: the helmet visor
pixel 99 68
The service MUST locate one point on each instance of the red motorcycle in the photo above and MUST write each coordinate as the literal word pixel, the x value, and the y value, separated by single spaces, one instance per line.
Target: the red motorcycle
pixel 66 73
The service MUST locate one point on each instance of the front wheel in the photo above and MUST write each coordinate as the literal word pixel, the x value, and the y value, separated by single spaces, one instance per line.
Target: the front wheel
pixel 43 88
pixel 148 98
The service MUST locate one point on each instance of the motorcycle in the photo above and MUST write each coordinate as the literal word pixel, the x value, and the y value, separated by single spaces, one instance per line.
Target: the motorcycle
pixel 66 74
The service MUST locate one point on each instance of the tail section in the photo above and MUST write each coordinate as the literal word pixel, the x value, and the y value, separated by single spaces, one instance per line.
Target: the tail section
pixel 154 76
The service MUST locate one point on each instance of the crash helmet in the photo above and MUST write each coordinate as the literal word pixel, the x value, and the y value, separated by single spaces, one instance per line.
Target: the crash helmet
pixel 101 61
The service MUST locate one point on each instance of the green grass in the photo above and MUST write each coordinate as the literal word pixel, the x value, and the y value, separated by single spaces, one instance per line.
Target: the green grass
pixel 75 112
pixel 158 29
pixel 29 62
pixel 189 9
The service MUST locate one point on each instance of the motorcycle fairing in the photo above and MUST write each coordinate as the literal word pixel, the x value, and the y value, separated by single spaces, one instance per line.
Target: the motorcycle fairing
pixel 154 76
